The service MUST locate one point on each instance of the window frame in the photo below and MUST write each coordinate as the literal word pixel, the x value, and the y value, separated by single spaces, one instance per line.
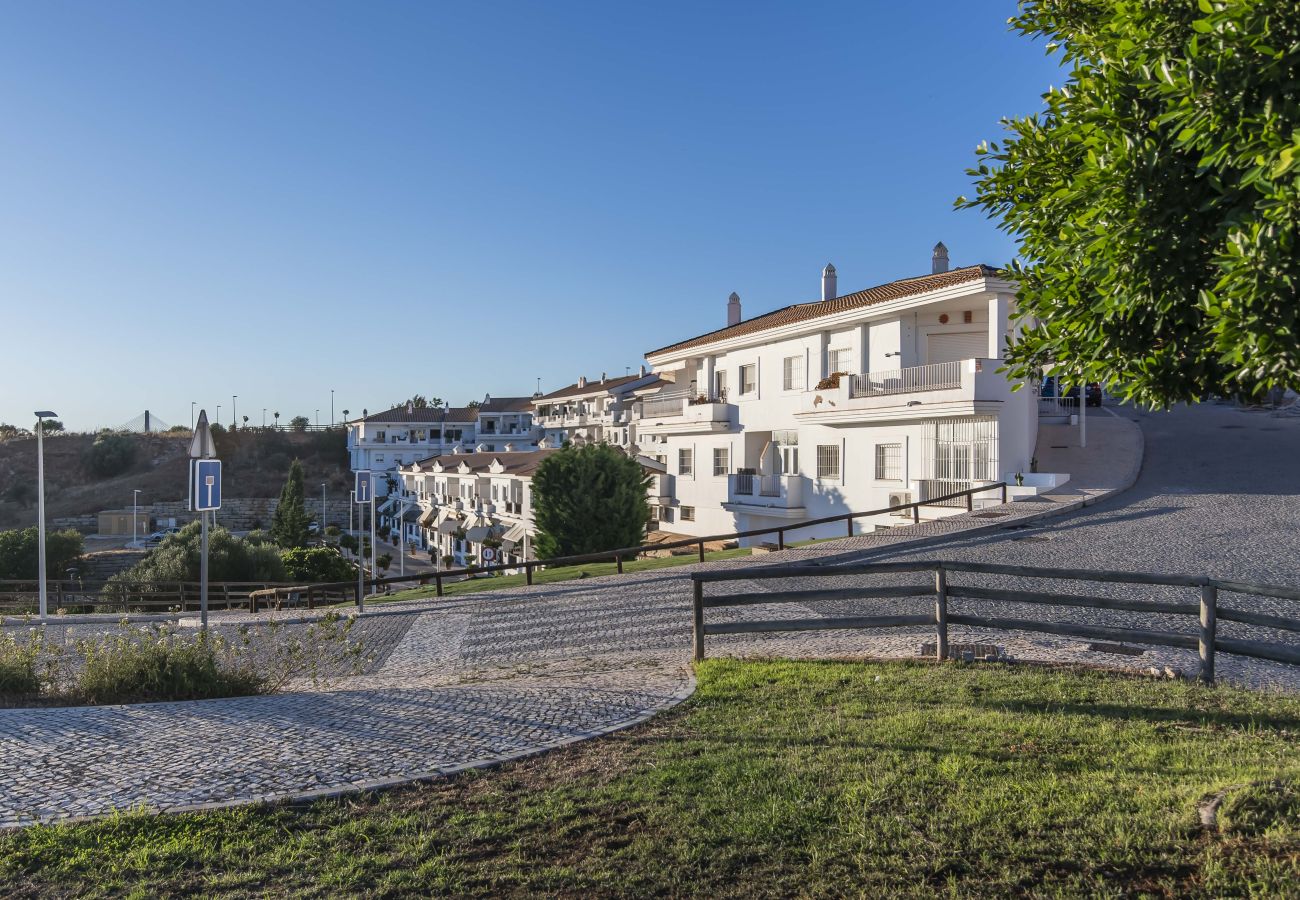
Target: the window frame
pixel 792 373
pixel 726 462
pixel 887 461
pixel 752 369
pixel 823 471
pixel 686 455
pixel 686 513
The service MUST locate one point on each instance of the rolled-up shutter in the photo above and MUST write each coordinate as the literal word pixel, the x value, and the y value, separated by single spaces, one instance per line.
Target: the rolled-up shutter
pixel 954 345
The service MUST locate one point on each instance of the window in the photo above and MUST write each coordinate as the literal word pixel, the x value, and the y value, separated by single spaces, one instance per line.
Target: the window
pixel 748 379
pixel 787 443
pixel 379 458
pixel 889 462
pixel 720 384
pixel 685 461
pixel 721 462
pixel 792 373
pixel 828 460
pixel 379 436
pixel 838 360
pixel 688 513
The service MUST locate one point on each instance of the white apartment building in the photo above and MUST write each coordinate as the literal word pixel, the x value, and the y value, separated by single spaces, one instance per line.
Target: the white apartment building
pixel 593 410
pixel 385 441
pixel 854 402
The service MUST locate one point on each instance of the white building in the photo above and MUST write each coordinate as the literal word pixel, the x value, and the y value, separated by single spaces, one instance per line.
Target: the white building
pixel 854 402
pixel 593 410
pixel 385 441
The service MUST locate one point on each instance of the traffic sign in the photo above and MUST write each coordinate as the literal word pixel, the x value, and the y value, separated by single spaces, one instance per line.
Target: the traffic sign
pixel 365 485
pixel 205 484
pixel 489 555
pixel 202 446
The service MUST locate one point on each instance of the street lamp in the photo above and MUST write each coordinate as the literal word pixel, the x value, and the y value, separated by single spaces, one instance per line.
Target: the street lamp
pixel 41 416
pixel 193 404
pixel 234 417
pixel 331 407
pixel 320 532
pixel 135 509
pixel 318 418
pixel 263 416
pixel 218 415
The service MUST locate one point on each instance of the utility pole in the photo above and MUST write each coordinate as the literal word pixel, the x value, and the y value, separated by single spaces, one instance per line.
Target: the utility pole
pixel 234 417
pixel 43 589
pixel 135 508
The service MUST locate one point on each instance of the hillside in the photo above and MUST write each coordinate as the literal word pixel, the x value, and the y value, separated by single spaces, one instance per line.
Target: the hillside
pixel 255 465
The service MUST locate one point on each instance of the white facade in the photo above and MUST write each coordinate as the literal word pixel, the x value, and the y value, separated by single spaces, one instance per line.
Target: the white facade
pixel 589 410
pixel 840 406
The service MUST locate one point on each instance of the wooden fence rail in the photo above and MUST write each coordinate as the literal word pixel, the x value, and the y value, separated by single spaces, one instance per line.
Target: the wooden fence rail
pixel 1207 609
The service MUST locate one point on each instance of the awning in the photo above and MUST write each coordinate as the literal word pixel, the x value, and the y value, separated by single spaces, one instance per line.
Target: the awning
pixel 428 518
pixel 513 537
pixel 478 533
pixel 411 515
pixel 386 505
pixel 448 526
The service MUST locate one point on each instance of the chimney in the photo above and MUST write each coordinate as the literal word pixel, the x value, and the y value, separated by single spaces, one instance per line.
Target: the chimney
pixel 643 370
pixel 582 381
pixel 603 377
pixel 939 259
pixel 733 309
pixel 828 282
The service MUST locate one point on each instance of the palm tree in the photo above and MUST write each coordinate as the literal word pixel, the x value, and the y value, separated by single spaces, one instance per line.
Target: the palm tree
pixel 277 419
pixel 345 415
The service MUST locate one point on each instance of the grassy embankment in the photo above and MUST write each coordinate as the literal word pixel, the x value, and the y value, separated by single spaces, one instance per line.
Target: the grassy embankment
pixel 780 779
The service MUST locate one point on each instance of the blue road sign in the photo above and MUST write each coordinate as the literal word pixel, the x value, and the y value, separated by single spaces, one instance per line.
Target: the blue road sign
pixel 365 484
pixel 205 484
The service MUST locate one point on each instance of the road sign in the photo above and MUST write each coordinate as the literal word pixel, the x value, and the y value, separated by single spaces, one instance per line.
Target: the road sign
pixel 202 446
pixel 205 484
pixel 365 485
pixel 489 555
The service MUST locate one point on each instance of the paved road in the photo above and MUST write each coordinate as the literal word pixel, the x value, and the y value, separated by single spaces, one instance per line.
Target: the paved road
pixel 504 673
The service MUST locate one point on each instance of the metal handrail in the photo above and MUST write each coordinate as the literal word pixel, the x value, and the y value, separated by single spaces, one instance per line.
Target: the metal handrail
pixel 933 377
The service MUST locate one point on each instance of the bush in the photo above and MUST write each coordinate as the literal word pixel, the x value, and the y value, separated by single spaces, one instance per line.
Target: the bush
pixel 384 560
pixel 111 454
pixel 158 665
pixel 316 564
pixel 18 667
pixel 229 559
pixel 19 552
pixel 588 500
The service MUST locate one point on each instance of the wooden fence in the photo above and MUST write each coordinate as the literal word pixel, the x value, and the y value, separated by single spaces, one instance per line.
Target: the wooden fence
pixel 1206 607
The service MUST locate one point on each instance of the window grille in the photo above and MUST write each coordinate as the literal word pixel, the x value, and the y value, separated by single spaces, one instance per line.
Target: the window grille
pixel 685 461
pixel 889 462
pixel 828 460
pixel 839 361
pixel 688 513
pixel 792 373
pixel 721 460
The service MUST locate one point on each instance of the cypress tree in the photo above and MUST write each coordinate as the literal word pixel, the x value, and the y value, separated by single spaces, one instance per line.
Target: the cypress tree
pixel 289 524
pixel 588 500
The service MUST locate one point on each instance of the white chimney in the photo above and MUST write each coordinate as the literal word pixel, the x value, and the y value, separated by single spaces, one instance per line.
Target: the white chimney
pixel 828 282
pixel 733 309
pixel 643 370
pixel 582 381
pixel 939 259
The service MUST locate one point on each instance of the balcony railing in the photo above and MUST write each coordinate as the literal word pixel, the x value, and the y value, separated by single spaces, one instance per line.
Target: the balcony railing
pixel 771 490
pixel 935 377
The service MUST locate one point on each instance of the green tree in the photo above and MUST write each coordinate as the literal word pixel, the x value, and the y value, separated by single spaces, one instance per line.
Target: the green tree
pixel 20 552
pixel 1155 199
pixel 299 423
pixel 316 565
pixel 289 524
pixel 589 499
pixel 110 454
pixel 12 432
pixel 229 559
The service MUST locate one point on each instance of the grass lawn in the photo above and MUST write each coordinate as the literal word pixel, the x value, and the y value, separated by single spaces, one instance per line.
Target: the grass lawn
pixel 780 779
pixel 546 576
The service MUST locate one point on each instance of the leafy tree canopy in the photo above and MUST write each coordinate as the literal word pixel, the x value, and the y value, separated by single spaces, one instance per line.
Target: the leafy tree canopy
pixel 229 559
pixel 589 499
pixel 20 552
pixel 316 565
pixel 12 432
pixel 1157 198
pixel 299 423
pixel 110 454
pixel 289 523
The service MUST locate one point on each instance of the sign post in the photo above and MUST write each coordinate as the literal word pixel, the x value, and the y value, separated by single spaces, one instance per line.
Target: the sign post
pixel 362 495
pixel 205 496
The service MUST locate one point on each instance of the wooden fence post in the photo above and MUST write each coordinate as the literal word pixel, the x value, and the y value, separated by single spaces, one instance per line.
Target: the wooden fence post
pixel 437 583
pixel 701 551
pixel 311 597
pixel 698 621
pixel 849 521
pixel 618 561
pixel 1004 492
pixel 1209 625
pixel 916 514
pixel 780 539
pixel 970 501
pixel 941 612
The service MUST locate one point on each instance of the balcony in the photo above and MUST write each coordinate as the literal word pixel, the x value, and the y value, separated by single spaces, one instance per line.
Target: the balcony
pixel 779 495
pixel 963 387
pixel 684 414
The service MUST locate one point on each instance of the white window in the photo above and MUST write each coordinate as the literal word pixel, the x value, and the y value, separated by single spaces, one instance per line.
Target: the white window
pixel 720 384
pixel 792 373
pixel 838 360
pixel 828 460
pixel 721 461
pixel 685 461
pixel 889 462
pixel 379 458
pixel 748 379
pixel 688 513
pixel 379 437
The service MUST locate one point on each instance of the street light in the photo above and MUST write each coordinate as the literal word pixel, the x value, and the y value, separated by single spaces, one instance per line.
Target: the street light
pixel 41 416
pixel 320 532
pixel 234 417
pixel 218 415
pixel 331 407
pixel 135 508
pixel 193 404
pixel 263 416
pixel 318 418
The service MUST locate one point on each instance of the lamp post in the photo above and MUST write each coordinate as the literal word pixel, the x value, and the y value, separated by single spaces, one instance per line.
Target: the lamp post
pixel 331 407
pixel 193 403
pixel 218 416
pixel 234 417
pixel 135 509
pixel 318 418
pixel 320 532
pixel 41 416
pixel 352 499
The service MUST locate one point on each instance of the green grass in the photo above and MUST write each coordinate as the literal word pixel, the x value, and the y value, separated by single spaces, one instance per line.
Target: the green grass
pixel 547 576
pixel 781 779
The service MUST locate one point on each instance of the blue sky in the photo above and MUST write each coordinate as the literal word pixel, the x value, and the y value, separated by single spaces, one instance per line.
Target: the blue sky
pixel 278 199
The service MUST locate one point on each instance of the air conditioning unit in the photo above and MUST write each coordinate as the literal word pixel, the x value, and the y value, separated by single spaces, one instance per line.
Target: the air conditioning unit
pixel 900 498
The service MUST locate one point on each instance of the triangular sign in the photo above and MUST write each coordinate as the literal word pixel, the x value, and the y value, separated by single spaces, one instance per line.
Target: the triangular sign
pixel 203 447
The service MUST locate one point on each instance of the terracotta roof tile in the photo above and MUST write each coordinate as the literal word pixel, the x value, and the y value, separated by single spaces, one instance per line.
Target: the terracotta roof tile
pixel 427 414
pixel 800 312
pixel 596 386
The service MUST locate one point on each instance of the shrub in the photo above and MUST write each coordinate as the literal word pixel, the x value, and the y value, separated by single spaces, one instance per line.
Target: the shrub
pixel 384 560
pixel 589 499
pixel 155 665
pixel 316 564
pixel 18 667
pixel 229 559
pixel 290 520
pixel 111 454
pixel 19 552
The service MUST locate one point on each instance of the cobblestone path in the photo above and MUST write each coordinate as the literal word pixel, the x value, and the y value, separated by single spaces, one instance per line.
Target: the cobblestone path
pixel 499 674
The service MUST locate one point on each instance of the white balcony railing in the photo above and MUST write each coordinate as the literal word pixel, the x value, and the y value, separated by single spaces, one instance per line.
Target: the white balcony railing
pixel 662 407
pixel 935 377
pixel 765 490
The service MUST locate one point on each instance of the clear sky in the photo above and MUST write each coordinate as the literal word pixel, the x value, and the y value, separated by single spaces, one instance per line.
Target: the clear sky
pixel 277 199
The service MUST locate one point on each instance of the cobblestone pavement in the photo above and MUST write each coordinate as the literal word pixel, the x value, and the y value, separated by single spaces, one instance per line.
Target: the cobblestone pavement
pixel 489 676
